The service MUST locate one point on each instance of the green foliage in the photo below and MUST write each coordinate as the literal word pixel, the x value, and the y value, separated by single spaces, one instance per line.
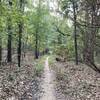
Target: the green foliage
pixel 37 19
pixel 38 69
pixel 39 66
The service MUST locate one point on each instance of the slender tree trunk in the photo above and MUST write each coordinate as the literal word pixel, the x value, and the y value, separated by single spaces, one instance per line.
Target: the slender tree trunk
pixel 0 50
pixel 0 43
pixel 9 46
pixel 19 44
pixel 37 32
pixel 36 47
pixel 20 25
pixel 9 53
pixel 75 33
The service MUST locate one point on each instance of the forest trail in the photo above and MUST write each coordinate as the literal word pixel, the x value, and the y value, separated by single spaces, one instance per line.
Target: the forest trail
pixel 48 85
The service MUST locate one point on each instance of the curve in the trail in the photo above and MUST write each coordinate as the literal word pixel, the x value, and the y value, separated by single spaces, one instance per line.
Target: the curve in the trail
pixel 48 85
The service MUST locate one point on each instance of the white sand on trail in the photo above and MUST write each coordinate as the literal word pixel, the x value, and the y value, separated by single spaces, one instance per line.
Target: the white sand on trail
pixel 48 85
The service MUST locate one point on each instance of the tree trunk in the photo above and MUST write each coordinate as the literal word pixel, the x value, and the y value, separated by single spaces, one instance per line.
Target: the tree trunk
pixel 0 51
pixel 75 33
pixel 36 47
pixel 9 53
pixel 19 44
pixel 89 37
pixel 20 25
pixel 0 43
pixel 9 46
pixel 37 32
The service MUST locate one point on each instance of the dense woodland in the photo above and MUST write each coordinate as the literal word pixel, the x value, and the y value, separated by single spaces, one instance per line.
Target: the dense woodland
pixel 68 30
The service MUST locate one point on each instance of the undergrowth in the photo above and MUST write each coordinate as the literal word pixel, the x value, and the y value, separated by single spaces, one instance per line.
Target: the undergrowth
pixel 39 66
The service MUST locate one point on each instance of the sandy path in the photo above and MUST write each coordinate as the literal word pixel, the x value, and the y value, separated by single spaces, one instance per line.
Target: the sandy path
pixel 48 85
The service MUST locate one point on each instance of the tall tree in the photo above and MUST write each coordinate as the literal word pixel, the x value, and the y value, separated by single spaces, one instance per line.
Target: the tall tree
pixel 37 30
pixel 20 26
pixel 92 9
pixel 90 34
pixel 0 38
pixel 9 53
pixel 75 31
pixel 0 50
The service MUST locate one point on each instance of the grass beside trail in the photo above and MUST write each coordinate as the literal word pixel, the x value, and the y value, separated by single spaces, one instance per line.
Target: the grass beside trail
pixel 52 59
pixel 39 65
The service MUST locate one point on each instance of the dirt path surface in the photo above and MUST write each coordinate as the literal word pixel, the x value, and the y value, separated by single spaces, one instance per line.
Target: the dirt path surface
pixel 48 83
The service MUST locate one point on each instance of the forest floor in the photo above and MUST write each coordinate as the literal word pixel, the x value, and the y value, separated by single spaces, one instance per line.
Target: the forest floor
pixel 75 82
pixel 47 79
pixel 21 83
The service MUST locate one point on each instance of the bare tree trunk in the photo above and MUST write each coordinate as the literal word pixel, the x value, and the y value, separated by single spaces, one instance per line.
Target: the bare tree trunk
pixel 75 32
pixel 0 51
pixel 37 32
pixel 19 45
pixel 36 47
pixel 9 53
pixel 20 25
pixel 0 43
pixel 89 37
